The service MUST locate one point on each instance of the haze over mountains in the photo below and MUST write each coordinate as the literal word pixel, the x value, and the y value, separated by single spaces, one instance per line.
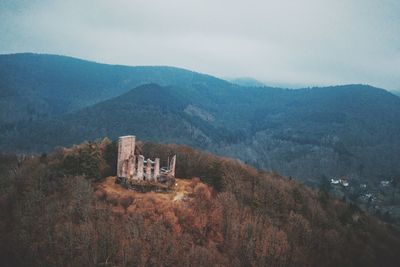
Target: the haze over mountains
pixel 48 101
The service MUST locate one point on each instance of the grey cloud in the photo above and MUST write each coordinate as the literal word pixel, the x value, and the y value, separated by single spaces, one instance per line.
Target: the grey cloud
pixel 308 42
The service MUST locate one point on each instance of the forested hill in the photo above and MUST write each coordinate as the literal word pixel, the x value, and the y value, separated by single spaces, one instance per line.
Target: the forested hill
pixel 59 209
pixel 314 133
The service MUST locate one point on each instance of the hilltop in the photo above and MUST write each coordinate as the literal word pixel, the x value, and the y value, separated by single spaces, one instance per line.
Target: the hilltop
pixel 60 209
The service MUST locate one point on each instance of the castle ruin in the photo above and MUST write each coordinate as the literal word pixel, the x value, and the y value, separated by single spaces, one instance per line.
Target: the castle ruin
pixel 136 167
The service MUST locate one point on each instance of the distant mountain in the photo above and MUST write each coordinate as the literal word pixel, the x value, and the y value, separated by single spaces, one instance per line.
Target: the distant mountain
pixel 35 86
pixel 247 81
pixel 311 134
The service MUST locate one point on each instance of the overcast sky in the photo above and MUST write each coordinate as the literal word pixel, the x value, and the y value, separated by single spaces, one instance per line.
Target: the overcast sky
pixel 291 42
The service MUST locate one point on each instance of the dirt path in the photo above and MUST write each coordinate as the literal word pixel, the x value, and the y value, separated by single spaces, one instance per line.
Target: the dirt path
pixel 179 192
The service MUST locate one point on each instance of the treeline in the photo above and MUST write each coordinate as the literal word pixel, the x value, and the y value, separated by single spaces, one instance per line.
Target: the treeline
pixel 53 215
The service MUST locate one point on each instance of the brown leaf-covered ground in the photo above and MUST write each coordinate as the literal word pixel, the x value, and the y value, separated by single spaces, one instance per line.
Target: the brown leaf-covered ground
pixel 58 210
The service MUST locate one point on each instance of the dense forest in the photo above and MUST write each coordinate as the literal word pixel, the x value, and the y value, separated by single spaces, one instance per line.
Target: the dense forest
pixel 53 213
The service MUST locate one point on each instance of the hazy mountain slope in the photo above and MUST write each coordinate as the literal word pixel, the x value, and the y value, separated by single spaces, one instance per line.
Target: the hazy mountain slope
pixel 36 86
pixel 346 130
pixel 150 111
pixel 247 81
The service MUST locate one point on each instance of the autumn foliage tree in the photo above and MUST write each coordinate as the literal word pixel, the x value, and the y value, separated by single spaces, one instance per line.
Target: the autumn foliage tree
pixel 54 214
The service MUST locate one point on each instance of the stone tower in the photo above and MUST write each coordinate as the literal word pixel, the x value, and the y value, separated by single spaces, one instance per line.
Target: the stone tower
pixel 126 151
pixel 173 165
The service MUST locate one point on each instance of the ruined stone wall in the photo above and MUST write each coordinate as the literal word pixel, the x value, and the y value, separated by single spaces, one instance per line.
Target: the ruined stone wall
pixel 136 167
pixel 126 149
pixel 156 167
pixel 173 166
pixel 139 173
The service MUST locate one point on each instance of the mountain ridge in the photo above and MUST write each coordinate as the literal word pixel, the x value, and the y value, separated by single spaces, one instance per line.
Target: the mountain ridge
pixel 36 86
